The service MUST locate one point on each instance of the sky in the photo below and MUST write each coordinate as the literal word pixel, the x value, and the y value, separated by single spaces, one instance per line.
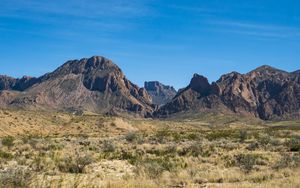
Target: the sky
pixel 164 40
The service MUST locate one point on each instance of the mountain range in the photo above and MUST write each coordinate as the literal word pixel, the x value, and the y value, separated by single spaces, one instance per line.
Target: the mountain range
pixel 98 85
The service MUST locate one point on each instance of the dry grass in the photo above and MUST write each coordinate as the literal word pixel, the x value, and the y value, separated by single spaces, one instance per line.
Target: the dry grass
pixel 44 149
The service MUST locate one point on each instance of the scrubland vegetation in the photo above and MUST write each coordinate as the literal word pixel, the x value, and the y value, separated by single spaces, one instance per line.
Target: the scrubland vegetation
pixel 62 150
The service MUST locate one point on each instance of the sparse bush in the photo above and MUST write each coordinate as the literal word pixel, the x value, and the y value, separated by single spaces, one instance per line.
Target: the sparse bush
pixel 76 164
pixel 171 150
pixel 293 144
pixel 132 158
pixel 161 135
pixel 264 140
pixel 253 146
pixel 220 134
pixel 246 161
pixel 197 149
pixel 8 141
pixel 108 146
pixel 55 146
pixel 155 167
pixel 192 136
pixel 5 155
pixel 130 137
pixel 243 135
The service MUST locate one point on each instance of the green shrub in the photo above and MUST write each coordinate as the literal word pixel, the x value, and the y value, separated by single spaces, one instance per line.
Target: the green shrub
pixel 264 140
pixel 8 141
pixel 132 158
pixel 5 155
pixel 243 135
pixel 192 136
pixel 154 167
pixel 221 134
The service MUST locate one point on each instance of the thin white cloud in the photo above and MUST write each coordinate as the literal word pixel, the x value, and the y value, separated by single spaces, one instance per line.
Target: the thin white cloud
pixel 75 8
pixel 254 29
pixel 67 20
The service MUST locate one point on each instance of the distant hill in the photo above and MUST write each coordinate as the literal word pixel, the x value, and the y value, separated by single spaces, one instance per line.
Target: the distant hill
pixel 160 93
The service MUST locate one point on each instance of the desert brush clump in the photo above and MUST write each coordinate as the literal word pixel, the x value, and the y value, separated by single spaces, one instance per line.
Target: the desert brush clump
pixel 8 141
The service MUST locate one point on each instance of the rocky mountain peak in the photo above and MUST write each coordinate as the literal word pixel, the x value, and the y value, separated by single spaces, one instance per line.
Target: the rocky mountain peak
pixel 266 71
pixel 200 84
pixel 100 63
pixel 86 66
pixel 157 86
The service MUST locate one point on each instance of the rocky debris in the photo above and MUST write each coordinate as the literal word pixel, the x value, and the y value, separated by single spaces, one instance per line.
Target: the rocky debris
pixel 160 93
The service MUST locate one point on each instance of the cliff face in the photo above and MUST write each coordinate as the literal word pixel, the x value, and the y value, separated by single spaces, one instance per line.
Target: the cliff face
pixel 160 94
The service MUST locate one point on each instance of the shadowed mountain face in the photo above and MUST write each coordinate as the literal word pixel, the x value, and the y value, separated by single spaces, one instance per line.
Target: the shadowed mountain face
pixel 265 92
pixel 95 84
pixel 160 94
pixel 9 83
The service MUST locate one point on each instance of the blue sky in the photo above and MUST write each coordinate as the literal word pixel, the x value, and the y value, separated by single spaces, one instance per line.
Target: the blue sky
pixel 165 40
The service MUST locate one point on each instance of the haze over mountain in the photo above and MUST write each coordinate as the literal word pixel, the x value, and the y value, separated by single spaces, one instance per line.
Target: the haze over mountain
pixel 98 85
